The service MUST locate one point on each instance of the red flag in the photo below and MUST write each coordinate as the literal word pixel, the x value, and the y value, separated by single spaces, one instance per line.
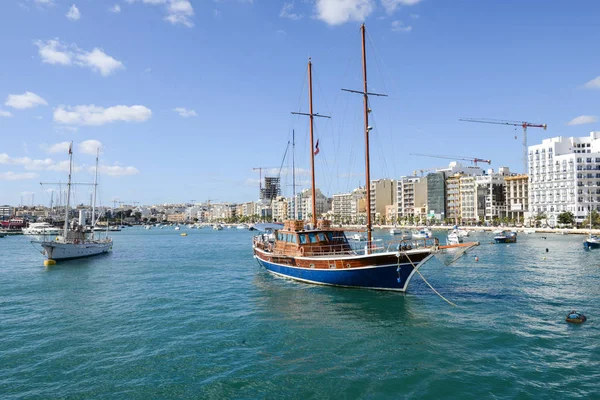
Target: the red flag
pixel 317 147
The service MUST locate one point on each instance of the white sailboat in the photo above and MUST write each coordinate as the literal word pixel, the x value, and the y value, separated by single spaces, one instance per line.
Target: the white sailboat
pixel 74 243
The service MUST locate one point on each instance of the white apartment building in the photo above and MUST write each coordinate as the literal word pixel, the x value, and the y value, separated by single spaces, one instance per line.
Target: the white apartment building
pixel 564 175
pixel 6 211
pixel 322 203
pixel 280 209
pixel 517 197
pixel 347 206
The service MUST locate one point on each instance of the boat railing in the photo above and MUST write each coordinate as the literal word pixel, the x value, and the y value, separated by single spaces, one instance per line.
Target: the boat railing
pixel 328 250
pixel 412 244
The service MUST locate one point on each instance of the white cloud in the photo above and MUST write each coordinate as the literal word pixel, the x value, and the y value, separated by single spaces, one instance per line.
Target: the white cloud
pixel 62 147
pixel 25 100
pixel 5 114
pixel 73 13
pixel 116 170
pixel 286 11
pixel 94 115
pixel 90 147
pixel 115 9
pixel 99 61
pixel 184 112
pixel 178 11
pixel 54 52
pixel 26 162
pixel 63 166
pixel 593 84
pixel 11 176
pixel 336 12
pixel 391 5
pixel 399 26
pixel 583 119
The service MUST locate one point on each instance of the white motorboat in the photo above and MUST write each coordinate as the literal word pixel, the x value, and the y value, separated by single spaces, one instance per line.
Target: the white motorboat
pixel 41 228
pixel 75 243
pixel 422 234
pixel 529 231
pixel 242 226
pixel 454 237
pixel 217 227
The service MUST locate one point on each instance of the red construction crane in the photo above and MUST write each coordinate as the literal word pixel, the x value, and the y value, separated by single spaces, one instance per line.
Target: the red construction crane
pixel 524 125
pixel 471 159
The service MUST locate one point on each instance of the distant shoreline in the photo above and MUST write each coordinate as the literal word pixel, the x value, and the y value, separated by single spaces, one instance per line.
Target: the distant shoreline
pixel 570 231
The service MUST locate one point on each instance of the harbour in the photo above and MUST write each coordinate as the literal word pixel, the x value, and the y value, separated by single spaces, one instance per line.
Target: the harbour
pixel 169 316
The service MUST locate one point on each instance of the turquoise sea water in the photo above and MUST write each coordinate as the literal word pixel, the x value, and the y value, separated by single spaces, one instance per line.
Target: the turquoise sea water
pixel 165 316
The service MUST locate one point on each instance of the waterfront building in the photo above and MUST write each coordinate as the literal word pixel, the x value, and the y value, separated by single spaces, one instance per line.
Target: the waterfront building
pixel 491 200
pixel 436 195
pixel 564 175
pixel 280 209
pixel 517 197
pixel 383 193
pixel 6 212
pixel 347 206
pixel 322 203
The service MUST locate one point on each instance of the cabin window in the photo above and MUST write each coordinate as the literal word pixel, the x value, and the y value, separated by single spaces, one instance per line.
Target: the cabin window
pixel 292 238
pixel 279 236
pixel 321 237
pixel 313 237
pixel 330 236
pixel 302 239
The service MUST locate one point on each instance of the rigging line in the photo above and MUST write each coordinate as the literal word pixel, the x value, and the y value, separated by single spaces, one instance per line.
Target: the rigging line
pixel 425 280
pixel 380 59
pixel 379 146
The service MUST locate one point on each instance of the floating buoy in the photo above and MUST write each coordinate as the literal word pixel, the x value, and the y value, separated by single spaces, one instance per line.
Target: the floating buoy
pixel 49 262
pixel 576 318
pixel 184 234
pixel 476 258
pixel 544 258
pixel 547 250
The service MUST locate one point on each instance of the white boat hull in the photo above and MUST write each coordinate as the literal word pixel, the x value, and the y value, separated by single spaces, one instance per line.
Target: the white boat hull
pixel 65 251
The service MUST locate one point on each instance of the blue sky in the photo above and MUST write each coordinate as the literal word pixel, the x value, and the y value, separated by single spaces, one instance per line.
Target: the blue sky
pixel 185 98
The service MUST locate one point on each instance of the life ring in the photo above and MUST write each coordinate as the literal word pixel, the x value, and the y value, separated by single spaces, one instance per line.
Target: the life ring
pixel 302 251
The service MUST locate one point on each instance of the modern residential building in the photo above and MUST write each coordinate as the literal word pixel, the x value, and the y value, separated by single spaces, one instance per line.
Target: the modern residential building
pixel 564 175
pixel 491 200
pixel 383 193
pixel 271 189
pixel 6 212
pixel 347 206
pixel 322 203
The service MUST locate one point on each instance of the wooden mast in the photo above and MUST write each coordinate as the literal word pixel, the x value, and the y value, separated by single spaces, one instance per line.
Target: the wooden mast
pixel 311 115
pixel 312 146
pixel 367 161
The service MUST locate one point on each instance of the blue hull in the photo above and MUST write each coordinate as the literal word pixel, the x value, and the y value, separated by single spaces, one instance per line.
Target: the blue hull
pixel 591 245
pixel 386 277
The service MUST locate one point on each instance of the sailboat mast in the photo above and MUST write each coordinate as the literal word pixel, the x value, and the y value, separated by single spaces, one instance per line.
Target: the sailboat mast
pixel 68 190
pixel 95 186
pixel 367 161
pixel 312 146
pixel 294 174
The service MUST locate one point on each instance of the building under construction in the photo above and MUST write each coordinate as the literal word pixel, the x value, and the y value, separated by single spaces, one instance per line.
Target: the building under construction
pixel 271 189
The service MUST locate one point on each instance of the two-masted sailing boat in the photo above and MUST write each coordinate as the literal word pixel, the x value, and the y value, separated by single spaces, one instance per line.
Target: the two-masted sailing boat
pixel 322 254
pixel 74 243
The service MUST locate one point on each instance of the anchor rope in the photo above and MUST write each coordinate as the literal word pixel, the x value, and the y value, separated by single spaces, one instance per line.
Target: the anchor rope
pixel 425 280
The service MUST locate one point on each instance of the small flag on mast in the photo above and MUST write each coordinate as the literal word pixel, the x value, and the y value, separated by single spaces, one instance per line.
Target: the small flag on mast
pixel 317 148
pixel 71 148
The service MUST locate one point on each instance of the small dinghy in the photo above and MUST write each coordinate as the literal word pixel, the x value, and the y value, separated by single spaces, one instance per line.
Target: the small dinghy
pixel 576 318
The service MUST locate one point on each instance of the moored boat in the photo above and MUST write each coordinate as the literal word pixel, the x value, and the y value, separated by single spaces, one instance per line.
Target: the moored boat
pixel 323 255
pixel 41 228
pixel 75 243
pixel 506 237
pixel 454 238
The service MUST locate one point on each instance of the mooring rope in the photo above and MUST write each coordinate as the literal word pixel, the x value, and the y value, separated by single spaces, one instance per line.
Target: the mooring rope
pixel 425 280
